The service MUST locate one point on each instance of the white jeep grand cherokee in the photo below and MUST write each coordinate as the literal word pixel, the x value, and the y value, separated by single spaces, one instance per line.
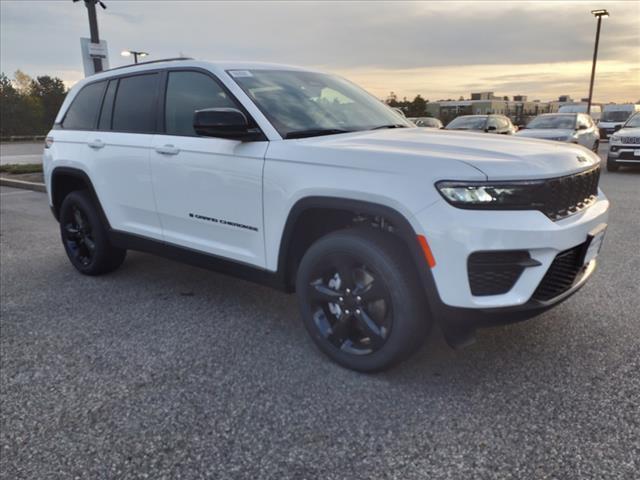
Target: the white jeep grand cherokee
pixel 303 181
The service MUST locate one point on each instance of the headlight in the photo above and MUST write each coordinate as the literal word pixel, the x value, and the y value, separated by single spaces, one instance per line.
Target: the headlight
pixel 482 195
pixel 614 139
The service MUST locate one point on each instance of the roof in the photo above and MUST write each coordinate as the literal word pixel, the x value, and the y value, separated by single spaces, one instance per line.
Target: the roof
pixel 188 62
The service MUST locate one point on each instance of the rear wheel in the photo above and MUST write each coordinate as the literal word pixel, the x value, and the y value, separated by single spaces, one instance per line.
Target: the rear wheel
pixel 361 300
pixel 85 238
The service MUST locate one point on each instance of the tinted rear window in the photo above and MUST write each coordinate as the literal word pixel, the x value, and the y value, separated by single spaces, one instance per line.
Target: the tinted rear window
pixel 135 106
pixel 83 112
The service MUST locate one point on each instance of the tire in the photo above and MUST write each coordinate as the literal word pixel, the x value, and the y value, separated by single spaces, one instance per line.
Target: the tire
pixel 612 166
pixel 85 238
pixel 383 325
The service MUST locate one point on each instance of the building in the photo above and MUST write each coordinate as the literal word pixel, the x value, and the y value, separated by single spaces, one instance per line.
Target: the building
pixel 520 109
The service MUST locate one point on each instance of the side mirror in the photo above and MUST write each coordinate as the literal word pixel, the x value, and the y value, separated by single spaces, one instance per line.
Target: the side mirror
pixel 491 128
pixel 221 122
pixel 617 127
pixel 582 127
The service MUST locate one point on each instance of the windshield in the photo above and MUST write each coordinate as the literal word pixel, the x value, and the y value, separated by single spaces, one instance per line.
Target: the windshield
pixel 304 104
pixel 615 116
pixel 467 123
pixel 553 122
pixel 633 121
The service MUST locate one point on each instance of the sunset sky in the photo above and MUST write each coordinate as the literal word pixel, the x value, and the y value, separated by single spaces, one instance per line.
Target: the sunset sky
pixel 437 49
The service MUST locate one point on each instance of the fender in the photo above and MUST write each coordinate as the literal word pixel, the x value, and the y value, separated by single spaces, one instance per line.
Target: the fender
pixel 457 327
pixel 82 176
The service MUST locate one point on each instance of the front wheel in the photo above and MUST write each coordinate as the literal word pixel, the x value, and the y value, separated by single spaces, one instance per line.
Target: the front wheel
pixel 85 237
pixel 361 300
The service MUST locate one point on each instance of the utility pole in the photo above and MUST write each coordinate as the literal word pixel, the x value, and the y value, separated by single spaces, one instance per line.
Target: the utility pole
pixel 598 14
pixel 93 28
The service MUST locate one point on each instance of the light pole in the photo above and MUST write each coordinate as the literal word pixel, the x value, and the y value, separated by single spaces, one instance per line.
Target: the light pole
pixel 93 28
pixel 136 54
pixel 599 14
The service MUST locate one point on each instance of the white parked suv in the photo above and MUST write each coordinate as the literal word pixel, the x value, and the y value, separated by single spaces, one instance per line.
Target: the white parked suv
pixel 305 182
pixel 624 149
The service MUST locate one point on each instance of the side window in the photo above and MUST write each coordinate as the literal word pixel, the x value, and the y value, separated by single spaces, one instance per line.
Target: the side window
pixel 135 107
pixel 582 121
pixel 188 92
pixel 83 112
pixel 492 122
pixel 107 106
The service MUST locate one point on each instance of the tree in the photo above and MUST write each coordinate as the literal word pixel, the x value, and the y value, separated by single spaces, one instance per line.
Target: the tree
pixel 22 82
pixel 50 92
pixel 27 106
pixel 417 107
pixel 392 100
pixel 9 106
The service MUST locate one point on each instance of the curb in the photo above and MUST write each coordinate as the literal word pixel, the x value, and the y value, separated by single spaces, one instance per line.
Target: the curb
pixel 9 182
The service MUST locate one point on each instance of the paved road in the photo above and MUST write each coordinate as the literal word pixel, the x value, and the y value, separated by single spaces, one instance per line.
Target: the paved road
pixel 21 152
pixel 161 370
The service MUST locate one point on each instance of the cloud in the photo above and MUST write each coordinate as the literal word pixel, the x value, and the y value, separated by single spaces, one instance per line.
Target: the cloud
pixel 383 37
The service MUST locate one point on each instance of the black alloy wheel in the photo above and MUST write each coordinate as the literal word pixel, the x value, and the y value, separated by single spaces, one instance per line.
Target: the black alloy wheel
pixel 352 305
pixel 77 235
pixel 85 237
pixel 361 299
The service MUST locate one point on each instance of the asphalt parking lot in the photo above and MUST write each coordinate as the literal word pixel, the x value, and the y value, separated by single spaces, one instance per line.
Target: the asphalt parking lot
pixel 162 370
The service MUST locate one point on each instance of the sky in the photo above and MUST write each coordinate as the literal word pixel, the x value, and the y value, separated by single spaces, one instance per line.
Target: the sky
pixel 440 50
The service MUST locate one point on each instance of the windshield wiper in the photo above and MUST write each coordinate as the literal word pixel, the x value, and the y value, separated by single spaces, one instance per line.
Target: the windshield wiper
pixel 393 125
pixel 315 132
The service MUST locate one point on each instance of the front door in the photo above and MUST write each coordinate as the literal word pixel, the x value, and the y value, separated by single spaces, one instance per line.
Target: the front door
pixel 208 190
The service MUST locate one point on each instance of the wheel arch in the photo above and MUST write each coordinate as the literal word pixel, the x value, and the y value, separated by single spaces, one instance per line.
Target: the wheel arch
pixel 350 208
pixel 65 180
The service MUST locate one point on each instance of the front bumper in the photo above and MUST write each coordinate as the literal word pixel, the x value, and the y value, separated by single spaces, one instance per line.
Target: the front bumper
pixel 454 234
pixel 624 154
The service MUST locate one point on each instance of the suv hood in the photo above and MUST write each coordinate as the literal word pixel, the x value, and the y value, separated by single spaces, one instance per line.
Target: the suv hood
pixel 498 157
pixel 546 133
pixel 633 131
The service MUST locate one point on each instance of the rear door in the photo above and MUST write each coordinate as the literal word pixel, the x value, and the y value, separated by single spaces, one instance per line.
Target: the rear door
pixel 208 190
pixel 121 149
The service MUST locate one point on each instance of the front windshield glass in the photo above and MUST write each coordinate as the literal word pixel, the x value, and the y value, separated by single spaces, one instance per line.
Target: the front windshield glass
pixel 615 116
pixel 553 122
pixel 303 104
pixel 467 123
pixel 633 121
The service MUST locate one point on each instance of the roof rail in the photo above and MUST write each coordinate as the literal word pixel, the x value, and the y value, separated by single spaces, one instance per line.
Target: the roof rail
pixel 149 62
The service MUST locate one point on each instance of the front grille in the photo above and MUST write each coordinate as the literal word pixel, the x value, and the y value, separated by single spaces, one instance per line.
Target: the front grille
pixel 629 140
pixel 565 196
pixel 563 273
pixel 628 155
pixel 495 273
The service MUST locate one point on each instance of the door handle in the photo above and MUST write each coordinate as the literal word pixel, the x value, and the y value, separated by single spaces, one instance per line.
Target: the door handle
pixel 168 150
pixel 96 144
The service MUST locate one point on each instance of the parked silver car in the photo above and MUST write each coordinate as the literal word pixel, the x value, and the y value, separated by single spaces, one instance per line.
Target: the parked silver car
pixel 426 122
pixel 564 127
pixel 483 123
